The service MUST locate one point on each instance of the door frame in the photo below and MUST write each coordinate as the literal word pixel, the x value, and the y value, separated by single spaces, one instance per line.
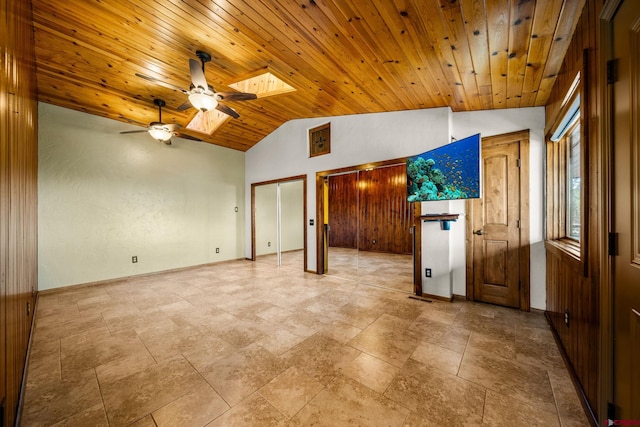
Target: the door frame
pixel 320 217
pixel 525 251
pixel 302 178
pixel 604 211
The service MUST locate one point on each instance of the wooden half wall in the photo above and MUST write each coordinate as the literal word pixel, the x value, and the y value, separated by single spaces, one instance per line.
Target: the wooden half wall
pixel 18 197
pixel 572 284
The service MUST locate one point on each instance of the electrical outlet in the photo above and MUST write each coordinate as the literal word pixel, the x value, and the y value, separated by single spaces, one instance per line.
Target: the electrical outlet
pixel 134 259
pixel 566 317
pixel 269 244
pixel 375 241
pixel 236 209
pixel 427 272
pixel 217 250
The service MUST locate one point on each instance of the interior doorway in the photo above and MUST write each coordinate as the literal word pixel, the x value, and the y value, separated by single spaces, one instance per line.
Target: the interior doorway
pixel 366 226
pixel 278 222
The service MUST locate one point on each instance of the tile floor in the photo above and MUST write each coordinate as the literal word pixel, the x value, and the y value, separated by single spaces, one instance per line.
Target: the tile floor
pixel 393 271
pixel 251 344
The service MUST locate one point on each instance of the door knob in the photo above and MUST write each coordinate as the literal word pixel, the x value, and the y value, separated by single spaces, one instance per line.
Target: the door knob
pixel 478 232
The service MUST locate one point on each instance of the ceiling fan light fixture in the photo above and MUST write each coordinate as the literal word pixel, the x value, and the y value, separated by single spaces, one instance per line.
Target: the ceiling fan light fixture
pixel 160 134
pixel 203 102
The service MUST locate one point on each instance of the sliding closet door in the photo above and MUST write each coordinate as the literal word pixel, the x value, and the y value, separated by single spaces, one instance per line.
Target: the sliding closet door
pixel 279 222
pixel 266 219
pixel 291 211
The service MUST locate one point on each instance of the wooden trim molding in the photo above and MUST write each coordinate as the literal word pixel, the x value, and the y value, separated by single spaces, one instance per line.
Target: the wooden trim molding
pixel 605 90
pixel 417 250
pixel 320 183
pixel 468 244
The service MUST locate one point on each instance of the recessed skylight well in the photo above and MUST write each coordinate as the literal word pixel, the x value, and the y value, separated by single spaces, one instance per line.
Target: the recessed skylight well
pixel 263 84
pixel 208 121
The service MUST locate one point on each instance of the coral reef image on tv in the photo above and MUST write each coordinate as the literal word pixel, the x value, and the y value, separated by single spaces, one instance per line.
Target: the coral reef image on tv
pixel 445 173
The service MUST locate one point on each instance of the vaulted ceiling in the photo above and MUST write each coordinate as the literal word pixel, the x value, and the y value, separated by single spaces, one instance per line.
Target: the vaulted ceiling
pixel 340 56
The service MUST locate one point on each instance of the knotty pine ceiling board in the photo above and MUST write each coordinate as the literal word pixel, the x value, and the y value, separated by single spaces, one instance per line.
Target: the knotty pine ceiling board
pixel 341 56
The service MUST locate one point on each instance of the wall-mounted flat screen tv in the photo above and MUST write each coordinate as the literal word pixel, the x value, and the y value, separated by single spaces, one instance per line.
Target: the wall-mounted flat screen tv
pixel 448 172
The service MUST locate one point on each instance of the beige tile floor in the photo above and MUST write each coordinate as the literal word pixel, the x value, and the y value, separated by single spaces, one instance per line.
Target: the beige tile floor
pixel 392 271
pixel 251 344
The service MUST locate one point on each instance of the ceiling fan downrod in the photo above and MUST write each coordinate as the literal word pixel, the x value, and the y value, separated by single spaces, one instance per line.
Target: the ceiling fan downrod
pixel 160 103
pixel 204 57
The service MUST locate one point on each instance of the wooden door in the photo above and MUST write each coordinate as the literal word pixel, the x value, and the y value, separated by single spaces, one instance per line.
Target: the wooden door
pixel 626 211
pixel 499 223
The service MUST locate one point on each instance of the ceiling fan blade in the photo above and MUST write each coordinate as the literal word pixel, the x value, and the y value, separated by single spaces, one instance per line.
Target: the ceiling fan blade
pixel 197 75
pixel 160 82
pixel 227 110
pixel 184 106
pixel 134 131
pixel 185 136
pixel 236 96
pixel 172 126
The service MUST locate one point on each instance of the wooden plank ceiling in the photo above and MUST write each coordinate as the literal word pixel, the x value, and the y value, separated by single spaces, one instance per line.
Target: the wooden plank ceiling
pixel 341 56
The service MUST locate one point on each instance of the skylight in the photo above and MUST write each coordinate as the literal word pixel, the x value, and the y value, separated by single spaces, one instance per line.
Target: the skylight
pixel 208 121
pixel 263 85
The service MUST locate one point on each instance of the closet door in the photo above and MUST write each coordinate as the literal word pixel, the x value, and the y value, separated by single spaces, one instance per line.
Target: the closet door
pixel 291 216
pixel 266 219
pixel 279 221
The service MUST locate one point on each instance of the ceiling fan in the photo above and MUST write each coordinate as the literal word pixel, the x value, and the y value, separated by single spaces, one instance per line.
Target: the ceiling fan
pixel 162 131
pixel 201 95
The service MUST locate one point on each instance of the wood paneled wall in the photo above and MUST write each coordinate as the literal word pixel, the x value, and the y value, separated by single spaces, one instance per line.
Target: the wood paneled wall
pixel 18 196
pixel 368 209
pixel 571 287
pixel 385 214
pixel 343 211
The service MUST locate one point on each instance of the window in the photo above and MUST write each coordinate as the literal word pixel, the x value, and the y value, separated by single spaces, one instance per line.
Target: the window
pixel 565 183
pixel 574 178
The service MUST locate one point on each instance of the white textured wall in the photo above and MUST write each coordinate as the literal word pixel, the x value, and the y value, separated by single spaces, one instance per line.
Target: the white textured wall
pixel 496 122
pixel 355 140
pixel 105 197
